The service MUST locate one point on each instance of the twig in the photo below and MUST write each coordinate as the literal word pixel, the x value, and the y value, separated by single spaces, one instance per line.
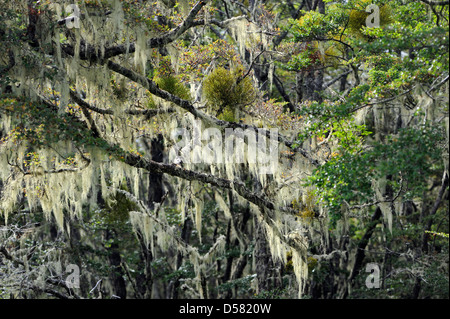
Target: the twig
pixel 336 79
pixel 9 256
pixel 148 113
pixel 381 101
pixel 250 68
pixel 98 282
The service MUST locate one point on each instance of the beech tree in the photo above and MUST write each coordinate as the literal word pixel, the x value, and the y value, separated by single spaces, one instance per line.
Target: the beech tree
pixel 224 149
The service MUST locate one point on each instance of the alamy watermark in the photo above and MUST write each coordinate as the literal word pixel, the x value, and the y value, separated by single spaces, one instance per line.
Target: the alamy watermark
pixel 73 20
pixel 257 147
pixel 70 276
pixel 73 280
pixel 373 19
pixel 373 280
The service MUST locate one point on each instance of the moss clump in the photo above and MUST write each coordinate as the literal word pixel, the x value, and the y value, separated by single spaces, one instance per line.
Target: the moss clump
pixel 228 115
pixel 305 208
pixel 117 208
pixel 289 263
pixel 119 89
pixel 171 84
pixel 312 263
pixel 227 91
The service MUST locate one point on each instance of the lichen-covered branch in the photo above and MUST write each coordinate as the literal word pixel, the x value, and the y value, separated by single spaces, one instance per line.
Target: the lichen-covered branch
pixel 188 106
pixel 89 52
pixel 147 113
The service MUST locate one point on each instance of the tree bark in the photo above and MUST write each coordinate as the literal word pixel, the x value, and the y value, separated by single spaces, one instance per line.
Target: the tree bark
pixel 360 249
pixel 155 193
pixel 118 282
pixel 264 263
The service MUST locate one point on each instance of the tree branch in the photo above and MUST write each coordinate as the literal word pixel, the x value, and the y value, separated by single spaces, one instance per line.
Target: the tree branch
pixel 438 200
pixel 147 113
pixel 173 170
pixel 280 88
pixel 8 256
pixel 326 85
pixel 360 249
pixel 91 53
pixel 82 104
pixel 167 228
pixel 250 68
pixel 11 63
pixel 382 101
pixel 434 87
pixel 436 3
pixel 266 207
pixel 187 105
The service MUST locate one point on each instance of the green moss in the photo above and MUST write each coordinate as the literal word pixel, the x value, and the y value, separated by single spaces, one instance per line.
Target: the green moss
pixel 172 84
pixel 228 115
pixel 117 210
pixel 227 90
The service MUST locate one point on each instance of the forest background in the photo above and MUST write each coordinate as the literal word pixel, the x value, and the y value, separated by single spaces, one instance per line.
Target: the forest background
pixel 115 176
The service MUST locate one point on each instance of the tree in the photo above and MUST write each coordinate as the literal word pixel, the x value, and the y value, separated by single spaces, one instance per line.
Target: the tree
pixel 223 149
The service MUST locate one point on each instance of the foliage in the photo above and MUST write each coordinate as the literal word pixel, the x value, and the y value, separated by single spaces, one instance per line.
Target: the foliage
pixel 92 169
pixel 408 159
pixel 228 90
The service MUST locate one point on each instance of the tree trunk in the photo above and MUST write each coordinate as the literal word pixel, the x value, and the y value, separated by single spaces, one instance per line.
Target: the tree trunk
pixel 185 232
pixel 118 283
pixel 264 264
pixel 156 190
